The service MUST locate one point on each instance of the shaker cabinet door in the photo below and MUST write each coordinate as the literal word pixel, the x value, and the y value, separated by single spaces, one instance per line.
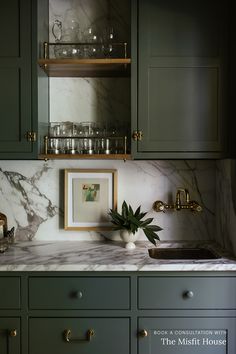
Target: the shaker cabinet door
pixel 79 335
pixel 15 79
pixel 181 69
pixel 187 335
pixel 10 336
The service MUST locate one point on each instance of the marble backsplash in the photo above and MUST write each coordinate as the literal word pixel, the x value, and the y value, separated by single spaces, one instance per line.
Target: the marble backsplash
pixel 31 195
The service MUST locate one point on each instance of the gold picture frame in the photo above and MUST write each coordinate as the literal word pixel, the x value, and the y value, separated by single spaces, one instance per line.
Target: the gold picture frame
pixel 89 194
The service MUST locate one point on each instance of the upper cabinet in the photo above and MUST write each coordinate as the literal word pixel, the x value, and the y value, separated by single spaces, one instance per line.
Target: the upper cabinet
pixel 19 81
pixel 180 78
pixel 15 76
pixel 87 60
pixel 71 61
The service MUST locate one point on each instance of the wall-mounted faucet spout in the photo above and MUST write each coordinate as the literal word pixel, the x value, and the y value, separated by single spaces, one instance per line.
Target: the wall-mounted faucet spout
pixel 180 203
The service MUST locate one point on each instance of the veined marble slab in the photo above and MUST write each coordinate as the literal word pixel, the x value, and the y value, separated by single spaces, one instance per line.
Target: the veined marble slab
pixel 103 256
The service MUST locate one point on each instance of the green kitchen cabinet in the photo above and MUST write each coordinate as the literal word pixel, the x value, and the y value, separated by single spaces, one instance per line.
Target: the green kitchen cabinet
pixel 117 312
pixel 190 314
pixel 10 321
pixel 180 78
pixel 20 111
pixel 79 335
pixel 181 335
pixel 10 335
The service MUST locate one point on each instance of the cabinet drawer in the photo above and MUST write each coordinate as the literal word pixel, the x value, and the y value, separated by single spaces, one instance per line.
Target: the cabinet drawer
pixel 10 335
pixel 9 293
pixel 79 293
pixel 187 293
pixel 110 335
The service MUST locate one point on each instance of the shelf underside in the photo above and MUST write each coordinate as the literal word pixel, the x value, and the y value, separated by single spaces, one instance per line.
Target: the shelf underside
pixel 85 156
pixel 86 67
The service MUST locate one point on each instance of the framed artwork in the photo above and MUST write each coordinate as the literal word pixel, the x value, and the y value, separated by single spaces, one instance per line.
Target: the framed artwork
pixel 89 195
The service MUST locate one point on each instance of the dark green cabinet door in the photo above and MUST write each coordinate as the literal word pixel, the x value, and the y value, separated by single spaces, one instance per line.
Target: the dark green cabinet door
pixel 15 79
pixel 181 68
pixel 10 335
pixel 10 296
pixel 70 335
pixel 187 335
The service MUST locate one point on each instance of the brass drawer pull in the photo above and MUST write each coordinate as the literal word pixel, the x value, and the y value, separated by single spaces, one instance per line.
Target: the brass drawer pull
pixel 67 336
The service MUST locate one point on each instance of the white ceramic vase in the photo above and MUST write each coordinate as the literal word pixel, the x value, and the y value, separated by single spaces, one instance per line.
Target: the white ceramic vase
pixel 129 238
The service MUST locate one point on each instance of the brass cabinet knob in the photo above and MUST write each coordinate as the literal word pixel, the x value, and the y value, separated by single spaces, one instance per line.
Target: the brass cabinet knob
pixel 13 333
pixel 143 333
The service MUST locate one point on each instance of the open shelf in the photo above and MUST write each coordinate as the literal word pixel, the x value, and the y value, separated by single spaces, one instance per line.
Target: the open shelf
pixel 119 67
pixel 85 156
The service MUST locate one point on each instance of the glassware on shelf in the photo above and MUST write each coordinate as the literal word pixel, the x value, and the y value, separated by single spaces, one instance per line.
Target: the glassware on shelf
pixel 83 138
pixel 62 34
pixel 69 31
pixel 71 26
pixel 71 42
pixel 108 47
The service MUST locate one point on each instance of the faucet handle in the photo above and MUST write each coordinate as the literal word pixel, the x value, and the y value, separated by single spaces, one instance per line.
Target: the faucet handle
pixel 158 205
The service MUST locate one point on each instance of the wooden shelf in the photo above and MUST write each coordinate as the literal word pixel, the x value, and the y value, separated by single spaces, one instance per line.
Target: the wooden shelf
pixel 85 156
pixel 86 67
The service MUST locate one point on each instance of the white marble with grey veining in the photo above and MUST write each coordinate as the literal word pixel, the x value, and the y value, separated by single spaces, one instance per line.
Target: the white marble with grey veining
pixel 103 256
pixel 31 195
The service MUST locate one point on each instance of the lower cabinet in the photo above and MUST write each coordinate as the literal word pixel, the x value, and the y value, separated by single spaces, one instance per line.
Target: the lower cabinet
pixel 181 335
pixel 10 335
pixel 118 313
pixel 79 335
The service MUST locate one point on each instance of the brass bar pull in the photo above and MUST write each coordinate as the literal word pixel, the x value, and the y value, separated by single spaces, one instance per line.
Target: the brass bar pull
pixel 67 336
pixel 143 333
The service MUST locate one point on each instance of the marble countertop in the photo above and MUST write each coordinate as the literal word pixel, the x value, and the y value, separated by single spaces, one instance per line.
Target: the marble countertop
pixel 103 256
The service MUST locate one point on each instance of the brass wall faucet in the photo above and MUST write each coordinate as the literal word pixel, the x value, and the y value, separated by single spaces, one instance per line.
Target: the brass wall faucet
pixel 179 204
